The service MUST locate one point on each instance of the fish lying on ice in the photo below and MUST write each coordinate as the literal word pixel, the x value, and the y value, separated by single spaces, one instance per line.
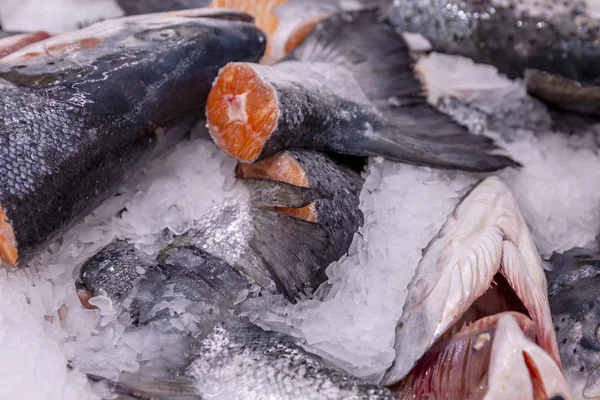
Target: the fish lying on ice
pixel 295 214
pixel 482 263
pixel 285 22
pixel 573 288
pixel 348 88
pixel 339 215
pixel 553 44
pixel 191 295
pixel 80 110
pixel 13 41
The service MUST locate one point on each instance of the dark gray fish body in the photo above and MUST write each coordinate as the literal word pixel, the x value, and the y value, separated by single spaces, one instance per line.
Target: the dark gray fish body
pixel 574 292
pixel 339 213
pixel 79 112
pixel 560 37
pixel 516 36
pixel 349 88
pixel 223 356
pixel 277 251
pixel 138 283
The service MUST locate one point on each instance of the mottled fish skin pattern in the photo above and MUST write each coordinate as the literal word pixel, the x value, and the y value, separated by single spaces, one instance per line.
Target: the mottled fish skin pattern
pixel 557 36
pixel 114 271
pixel 73 127
pixel 248 363
pixel 136 283
pixel 225 356
pixel 574 293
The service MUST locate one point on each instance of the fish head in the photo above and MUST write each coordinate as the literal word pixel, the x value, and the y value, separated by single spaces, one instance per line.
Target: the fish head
pixel 575 304
pixel 113 271
pixel 479 360
pixel 161 64
pixel 482 263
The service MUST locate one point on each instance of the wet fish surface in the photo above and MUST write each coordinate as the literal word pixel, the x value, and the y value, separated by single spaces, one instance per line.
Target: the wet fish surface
pixel 285 22
pixel 554 36
pixel 224 356
pixel 573 286
pixel 348 88
pixel 539 40
pixel 79 111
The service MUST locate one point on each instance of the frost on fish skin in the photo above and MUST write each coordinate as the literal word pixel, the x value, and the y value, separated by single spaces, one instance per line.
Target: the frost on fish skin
pixel 458 266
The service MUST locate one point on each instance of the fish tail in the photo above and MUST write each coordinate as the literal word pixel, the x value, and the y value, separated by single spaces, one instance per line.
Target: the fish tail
pixel 458 151
pixel 380 60
pixel 291 249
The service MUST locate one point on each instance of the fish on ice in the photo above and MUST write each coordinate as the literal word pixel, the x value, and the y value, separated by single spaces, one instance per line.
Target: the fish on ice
pixel 573 291
pixel 191 296
pixel 482 263
pixel 349 88
pixel 81 110
pixel 552 44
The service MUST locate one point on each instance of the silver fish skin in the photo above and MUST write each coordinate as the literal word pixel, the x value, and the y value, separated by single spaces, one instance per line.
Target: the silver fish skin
pixel 78 112
pixel 281 253
pixel 220 355
pixel 573 286
pixel 552 44
pixel 560 37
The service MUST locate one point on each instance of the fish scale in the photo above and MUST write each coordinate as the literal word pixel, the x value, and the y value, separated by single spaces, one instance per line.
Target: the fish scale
pixel 80 112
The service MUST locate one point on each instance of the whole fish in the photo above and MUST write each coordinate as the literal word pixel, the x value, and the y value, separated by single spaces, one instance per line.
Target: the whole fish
pixel 573 286
pixel 348 88
pixel 478 361
pixel 544 38
pixel 483 262
pixel 285 22
pixel 79 111
pixel 218 355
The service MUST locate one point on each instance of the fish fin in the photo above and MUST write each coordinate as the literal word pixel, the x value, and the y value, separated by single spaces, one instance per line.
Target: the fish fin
pixel 132 386
pixel 458 151
pixel 268 193
pixel 365 43
pixel 292 249
pixel 562 92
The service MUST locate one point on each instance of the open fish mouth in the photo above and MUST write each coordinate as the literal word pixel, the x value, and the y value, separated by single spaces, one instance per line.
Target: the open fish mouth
pixel 477 361
pixel 483 264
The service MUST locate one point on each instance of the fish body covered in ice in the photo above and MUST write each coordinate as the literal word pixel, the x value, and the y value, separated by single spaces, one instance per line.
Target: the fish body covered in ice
pixel 349 88
pixel 301 214
pixel 573 286
pixel 553 44
pixel 78 111
pixel 483 263
pixel 190 296
pixel 285 22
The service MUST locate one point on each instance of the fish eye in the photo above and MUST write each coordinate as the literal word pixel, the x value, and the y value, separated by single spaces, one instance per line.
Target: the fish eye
pixel 598 333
